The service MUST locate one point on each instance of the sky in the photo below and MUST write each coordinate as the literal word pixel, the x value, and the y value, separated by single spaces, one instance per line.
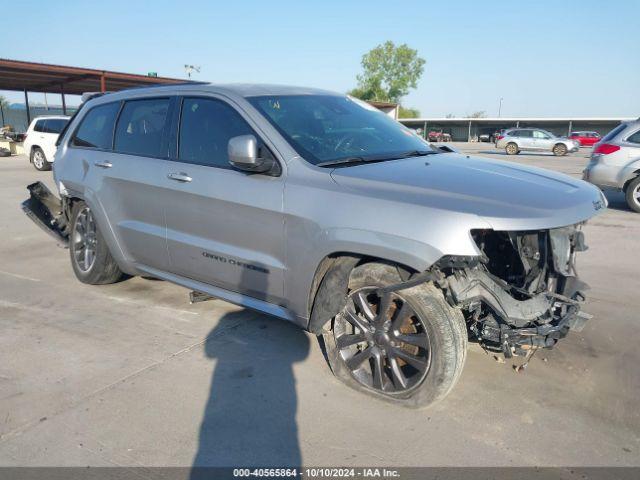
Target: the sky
pixel 544 58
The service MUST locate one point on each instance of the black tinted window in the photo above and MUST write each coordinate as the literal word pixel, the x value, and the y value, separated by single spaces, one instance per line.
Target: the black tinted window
pixel 96 129
pixel 206 126
pixel 525 133
pixel 635 138
pixel 39 126
pixel 54 125
pixel 141 127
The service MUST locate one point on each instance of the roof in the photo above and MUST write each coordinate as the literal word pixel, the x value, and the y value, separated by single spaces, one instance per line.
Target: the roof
pixel 43 77
pixel 245 90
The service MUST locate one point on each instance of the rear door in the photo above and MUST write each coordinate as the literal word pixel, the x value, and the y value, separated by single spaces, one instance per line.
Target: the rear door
pixel 224 227
pixel 122 174
pixel 525 139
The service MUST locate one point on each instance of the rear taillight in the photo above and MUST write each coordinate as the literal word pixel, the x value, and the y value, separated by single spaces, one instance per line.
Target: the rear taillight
pixel 605 149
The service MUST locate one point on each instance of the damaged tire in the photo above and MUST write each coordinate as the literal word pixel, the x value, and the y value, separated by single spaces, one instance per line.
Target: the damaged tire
pixel 407 347
pixel 90 257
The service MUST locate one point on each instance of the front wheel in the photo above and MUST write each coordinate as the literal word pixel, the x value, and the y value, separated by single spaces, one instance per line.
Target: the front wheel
pixel 632 194
pixel 559 149
pixel 407 347
pixel 90 257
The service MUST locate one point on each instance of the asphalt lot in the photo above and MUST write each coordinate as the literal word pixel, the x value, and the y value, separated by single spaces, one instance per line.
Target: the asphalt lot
pixel 132 374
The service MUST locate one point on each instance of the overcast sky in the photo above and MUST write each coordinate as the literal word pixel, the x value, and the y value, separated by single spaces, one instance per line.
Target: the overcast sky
pixel 545 58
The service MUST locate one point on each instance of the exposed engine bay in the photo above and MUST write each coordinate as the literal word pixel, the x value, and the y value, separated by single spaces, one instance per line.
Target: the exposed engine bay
pixel 522 293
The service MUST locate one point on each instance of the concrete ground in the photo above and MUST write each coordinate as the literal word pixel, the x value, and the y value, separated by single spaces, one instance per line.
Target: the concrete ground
pixel 131 374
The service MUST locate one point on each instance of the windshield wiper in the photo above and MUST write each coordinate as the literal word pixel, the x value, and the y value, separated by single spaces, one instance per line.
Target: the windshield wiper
pixel 344 161
pixel 379 158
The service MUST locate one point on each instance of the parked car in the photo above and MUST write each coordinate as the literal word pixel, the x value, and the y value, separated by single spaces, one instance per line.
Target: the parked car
pixel 516 140
pixel 316 208
pixel 40 140
pixel 615 162
pixel 585 139
pixel 438 136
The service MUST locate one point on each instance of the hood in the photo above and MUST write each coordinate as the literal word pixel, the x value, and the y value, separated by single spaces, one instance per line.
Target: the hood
pixel 507 196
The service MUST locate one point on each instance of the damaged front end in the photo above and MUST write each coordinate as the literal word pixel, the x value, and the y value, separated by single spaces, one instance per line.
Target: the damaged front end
pixel 522 293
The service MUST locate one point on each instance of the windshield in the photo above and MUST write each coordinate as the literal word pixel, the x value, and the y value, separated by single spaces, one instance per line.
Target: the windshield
pixel 325 129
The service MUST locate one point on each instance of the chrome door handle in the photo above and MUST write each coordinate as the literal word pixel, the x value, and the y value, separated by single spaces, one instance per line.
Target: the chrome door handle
pixel 103 164
pixel 179 177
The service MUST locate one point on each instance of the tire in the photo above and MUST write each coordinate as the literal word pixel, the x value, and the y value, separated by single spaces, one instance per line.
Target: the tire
pixel 429 321
pixel 98 268
pixel 39 160
pixel 559 149
pixel 632 194
pixel 511 148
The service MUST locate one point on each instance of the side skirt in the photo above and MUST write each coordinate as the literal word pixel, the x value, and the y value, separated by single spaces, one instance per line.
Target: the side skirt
pixel 231 297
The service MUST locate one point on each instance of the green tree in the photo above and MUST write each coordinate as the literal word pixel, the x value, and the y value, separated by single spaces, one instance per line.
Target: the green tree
pixel 389 72
pixel 408 112
pixel 4 105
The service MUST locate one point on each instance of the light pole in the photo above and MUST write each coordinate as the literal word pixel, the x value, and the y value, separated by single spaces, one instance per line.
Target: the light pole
pixel 500 107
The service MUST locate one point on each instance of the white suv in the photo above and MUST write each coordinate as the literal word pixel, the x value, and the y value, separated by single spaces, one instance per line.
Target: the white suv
pixel 40 141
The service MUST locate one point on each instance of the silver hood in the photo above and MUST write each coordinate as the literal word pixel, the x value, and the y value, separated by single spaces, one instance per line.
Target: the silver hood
pixel 507 196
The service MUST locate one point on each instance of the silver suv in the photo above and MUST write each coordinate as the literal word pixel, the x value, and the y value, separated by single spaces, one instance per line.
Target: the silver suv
pixel 518 139
pixel 316 208
pixel 615 162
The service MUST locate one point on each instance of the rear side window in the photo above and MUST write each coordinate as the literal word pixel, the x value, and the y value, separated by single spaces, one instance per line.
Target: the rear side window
pixel 54 125
pixel 635 138
pixel 206 125
pixel 96 128
pixel 614 132
pixel 141 127
pixel 39 126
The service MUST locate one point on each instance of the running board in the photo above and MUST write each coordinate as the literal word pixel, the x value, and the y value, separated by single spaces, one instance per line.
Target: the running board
pixel 45 210
pixel 231 297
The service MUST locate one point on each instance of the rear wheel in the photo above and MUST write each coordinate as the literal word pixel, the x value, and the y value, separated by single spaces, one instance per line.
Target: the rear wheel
pixel 511 148
pixel 559 149
pixel 90 257
pixel 407 347
pixel 39 160
pixel 632 194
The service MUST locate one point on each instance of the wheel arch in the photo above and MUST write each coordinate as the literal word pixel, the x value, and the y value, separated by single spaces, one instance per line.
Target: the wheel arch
pixel 330 282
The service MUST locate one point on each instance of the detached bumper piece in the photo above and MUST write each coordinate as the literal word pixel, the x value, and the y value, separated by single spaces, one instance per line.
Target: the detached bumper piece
pixel 45 210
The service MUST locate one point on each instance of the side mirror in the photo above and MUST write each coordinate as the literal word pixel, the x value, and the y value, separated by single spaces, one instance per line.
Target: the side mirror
pixel 243 154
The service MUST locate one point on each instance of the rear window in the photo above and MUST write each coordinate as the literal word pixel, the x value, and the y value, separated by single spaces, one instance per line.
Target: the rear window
pixel 635 138
pixel 54 125
pixel 614 132
pixel 141 127
pixel 96 128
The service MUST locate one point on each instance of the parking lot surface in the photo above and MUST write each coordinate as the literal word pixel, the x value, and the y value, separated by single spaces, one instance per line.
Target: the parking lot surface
pixel 132 374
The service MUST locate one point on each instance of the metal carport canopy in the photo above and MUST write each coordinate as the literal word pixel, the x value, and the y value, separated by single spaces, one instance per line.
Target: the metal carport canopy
pixel 46 78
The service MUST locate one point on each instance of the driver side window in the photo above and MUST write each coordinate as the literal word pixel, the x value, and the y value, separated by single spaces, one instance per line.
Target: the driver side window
pixel 206 125
pixel 540 135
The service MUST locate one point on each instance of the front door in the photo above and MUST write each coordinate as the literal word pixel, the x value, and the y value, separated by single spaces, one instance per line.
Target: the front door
pixel 224 227
pixel 542 140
